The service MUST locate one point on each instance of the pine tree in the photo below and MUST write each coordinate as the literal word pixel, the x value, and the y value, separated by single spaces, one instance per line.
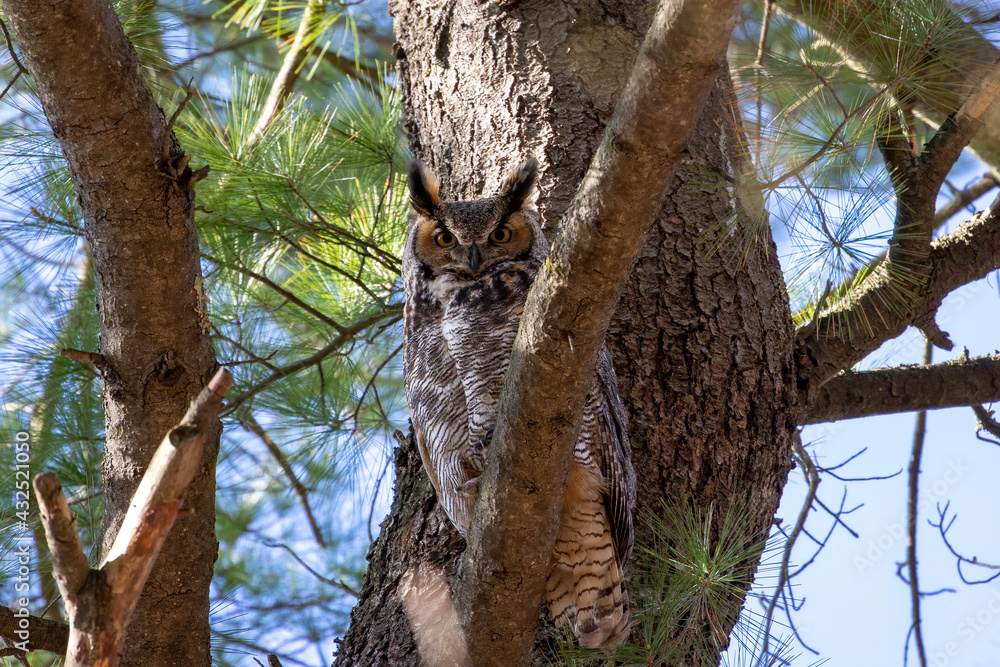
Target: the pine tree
pixel 257 222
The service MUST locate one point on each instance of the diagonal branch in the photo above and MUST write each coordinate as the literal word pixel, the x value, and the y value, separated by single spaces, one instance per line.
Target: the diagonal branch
pixel 562 330
pixel 44 634
pixel 250 424
pixel 968 254
pixel 347 334
pixel 952 384
pixel 291 67
pixel 943 85
pixel 919 433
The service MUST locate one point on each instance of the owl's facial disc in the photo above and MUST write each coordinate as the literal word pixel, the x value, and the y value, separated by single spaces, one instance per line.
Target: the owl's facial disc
pixel 468 241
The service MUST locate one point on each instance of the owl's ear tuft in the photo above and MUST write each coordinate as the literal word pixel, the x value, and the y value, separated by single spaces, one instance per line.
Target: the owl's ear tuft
pixel 518 184
pixel 423 188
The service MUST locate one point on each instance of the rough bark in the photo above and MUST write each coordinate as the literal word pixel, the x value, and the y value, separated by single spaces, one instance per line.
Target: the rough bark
pixel 136 193
pixel 702 340
pixel 46 634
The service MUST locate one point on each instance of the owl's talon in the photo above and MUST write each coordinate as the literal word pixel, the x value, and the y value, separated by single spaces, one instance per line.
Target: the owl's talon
pixel 483 442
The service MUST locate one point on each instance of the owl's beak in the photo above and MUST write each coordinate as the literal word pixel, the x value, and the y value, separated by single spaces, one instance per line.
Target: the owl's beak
pixel 474 259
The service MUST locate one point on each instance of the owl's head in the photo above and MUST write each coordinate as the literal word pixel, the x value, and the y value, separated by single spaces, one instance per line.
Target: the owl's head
pixel 468 238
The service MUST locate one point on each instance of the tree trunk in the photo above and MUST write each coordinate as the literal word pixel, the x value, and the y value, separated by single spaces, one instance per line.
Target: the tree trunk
pixel 136 192
pixel 702 341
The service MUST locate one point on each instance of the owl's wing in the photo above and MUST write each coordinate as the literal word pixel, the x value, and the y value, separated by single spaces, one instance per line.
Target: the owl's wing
pixel 615 457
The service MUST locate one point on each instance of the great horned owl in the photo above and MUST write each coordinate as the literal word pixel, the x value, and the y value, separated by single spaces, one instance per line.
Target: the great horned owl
pixel 467 267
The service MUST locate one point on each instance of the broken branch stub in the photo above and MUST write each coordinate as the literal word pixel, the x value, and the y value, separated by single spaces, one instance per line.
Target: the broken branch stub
pixel 99 603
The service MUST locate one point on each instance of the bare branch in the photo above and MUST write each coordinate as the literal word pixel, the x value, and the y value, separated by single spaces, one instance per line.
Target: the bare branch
pixel 964 198
pixel 853 394
pixel 99 603
pixel 812 478
pixel 920 431
pixel 21 69
pixel 70 566
pixel 333 582
pixel 85 357
pixel 944 525
pixel 986 423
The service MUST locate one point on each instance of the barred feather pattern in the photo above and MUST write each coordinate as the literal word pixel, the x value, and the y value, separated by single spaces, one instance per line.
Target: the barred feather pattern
pixel 459 329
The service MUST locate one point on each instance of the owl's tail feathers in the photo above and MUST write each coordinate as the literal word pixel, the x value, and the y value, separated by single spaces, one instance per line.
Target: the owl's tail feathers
pixel 586 589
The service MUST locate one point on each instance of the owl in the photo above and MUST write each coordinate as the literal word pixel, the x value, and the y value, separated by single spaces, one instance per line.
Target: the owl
pixel 467 268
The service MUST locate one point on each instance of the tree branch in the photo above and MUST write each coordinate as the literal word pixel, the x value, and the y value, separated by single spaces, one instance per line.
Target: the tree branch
pixel 135 193
pixel 877 312
pixel 250 424
pixel 44 634
pixel 565 318
pixel 99 603
pixel 919 433
pixel 944 86
pixel 958 383
pixel 288 75
pixel 347 334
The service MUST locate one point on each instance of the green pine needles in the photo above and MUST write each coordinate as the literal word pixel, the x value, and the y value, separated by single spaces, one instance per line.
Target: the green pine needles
pixel 689 581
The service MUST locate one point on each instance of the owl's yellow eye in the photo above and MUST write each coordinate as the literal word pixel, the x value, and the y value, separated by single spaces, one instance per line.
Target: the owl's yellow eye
pixel 500 235
pixel 445 239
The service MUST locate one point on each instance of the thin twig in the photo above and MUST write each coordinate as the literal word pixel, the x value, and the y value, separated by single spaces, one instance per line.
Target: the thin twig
pixel 333 582
pixel 964 198
pixel 388 260
pixel 248 422
pixel 231 46
pixel 10 47
pixel 10 85
pixel 943 527
pixel 371 382
pixel 280 290
pixel 812 479
pixel 919 433
pixel 346 335
pixel 378 486
pixel 336 269
pixel 795 171
pixel 987 423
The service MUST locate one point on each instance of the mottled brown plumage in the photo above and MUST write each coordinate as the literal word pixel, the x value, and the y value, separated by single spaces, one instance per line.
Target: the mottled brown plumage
pixel 467 268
